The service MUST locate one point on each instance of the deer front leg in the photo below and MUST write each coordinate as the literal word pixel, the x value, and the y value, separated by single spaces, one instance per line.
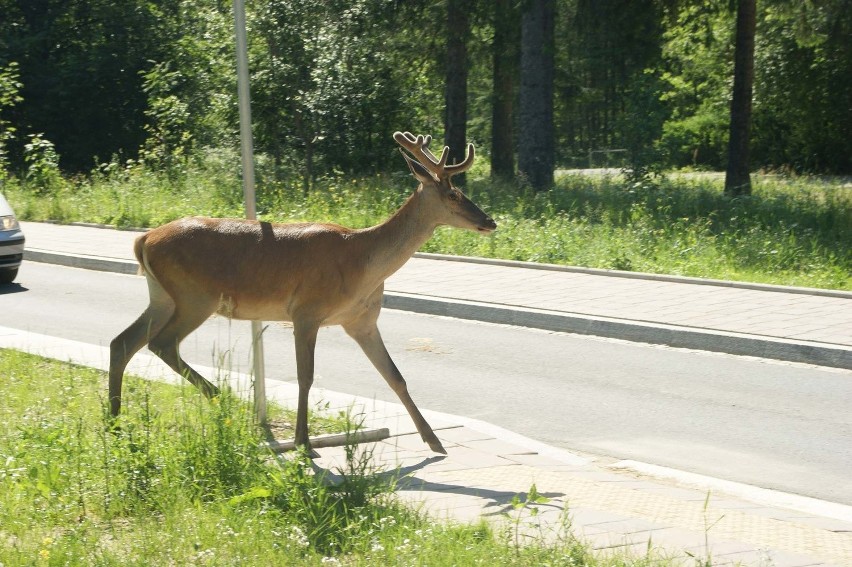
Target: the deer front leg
pixel 306 340
pixel 366 334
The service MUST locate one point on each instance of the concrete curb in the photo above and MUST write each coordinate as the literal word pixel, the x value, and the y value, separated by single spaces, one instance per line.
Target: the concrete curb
pixel 638 331
pixel 99 263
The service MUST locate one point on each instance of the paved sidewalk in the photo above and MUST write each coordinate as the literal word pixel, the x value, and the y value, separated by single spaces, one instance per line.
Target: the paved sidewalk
pixel 794 324
pixel 622 508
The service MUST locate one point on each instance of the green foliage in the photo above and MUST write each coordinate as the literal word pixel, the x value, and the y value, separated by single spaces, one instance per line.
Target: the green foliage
pixel 330 85
pixel 80 66
pixel 331 81
pixel 168 143
pixel 801 53
pixel 790 232
pixel 698 54
pixel 601 83
pixel 10 88
pixel 42 164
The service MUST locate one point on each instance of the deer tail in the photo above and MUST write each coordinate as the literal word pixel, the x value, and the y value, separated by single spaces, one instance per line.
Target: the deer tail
pixel 139 251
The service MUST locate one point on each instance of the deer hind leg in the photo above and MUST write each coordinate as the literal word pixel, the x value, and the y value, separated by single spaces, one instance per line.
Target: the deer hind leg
pixel 366 334
pixel 166 344
pixel 128 342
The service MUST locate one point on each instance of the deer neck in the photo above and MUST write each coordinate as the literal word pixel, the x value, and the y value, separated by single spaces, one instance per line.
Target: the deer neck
pixel 392 243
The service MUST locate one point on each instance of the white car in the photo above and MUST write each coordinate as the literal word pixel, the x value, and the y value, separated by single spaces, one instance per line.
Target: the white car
pixel 11 243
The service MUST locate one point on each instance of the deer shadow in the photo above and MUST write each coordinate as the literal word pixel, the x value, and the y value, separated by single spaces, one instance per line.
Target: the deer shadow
pixel 499 502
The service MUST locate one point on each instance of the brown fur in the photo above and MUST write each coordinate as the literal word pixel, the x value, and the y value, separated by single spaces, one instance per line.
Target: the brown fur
pixel 312 274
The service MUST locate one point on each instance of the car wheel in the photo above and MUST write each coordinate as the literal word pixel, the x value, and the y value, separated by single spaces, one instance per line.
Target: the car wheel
pixel 8 275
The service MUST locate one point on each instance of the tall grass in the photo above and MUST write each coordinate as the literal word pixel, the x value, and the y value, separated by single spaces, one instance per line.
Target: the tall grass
pixel 187 482
pixel 793 231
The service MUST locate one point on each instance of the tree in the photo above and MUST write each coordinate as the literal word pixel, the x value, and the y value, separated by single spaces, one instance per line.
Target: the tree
pixel 332 81
pixel 455 93
pixel 535 143
pixel 504 49
pixel 802 56
pixel 737 179
pixel 696 73
pixel 9 97
pixel 608 55
pixel 80 65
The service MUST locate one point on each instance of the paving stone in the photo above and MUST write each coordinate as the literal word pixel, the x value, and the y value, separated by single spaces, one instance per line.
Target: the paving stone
pixel 462 435
pixel 498 447
pixel 732 504
pixel 599 475
pixel 829 524
pixel 465 457
pixel 631 526
pixel 592 517
pixel 677 492
pixel 609 541
pixel 404 462
pixel 676 538
pixel 786 559
pixel 537 460
pixel 755 558
pixel 714 548
pixel 411 442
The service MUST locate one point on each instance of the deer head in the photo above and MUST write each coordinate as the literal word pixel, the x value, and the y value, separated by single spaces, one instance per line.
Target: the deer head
pixel 436 186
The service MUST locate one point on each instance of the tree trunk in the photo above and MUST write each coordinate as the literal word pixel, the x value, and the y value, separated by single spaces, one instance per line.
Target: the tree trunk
pixel 536 144
pixel 455 94
pixel 737 180
pixel 505 56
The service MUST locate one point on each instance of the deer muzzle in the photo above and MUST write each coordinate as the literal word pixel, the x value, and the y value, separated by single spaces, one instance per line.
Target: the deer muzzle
pixel 487 226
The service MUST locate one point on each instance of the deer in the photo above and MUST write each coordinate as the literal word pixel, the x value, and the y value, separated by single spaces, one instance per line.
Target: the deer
pixel 309 274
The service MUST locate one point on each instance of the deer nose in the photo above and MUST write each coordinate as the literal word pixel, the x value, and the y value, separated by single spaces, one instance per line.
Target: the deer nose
pixel 489 224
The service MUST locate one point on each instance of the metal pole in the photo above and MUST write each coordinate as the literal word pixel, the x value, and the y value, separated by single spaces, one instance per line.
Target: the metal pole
pixel 248 193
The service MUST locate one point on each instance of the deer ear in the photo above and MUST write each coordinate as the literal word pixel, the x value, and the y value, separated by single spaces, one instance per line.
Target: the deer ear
pixel 422 174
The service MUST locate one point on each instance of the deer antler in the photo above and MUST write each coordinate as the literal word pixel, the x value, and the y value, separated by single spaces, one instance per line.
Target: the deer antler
pixel 418 146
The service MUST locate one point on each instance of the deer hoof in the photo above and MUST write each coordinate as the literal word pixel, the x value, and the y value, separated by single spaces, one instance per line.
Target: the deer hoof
pixel 436 446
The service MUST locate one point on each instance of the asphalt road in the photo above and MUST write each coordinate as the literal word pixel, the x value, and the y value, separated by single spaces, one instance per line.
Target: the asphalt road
pixel 775 425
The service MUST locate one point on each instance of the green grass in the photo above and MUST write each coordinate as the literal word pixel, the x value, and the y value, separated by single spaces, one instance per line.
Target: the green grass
pixel 186 482
pixel 791 231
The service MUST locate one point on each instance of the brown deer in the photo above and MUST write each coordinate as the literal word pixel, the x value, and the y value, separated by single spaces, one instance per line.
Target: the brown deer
pixel 312 274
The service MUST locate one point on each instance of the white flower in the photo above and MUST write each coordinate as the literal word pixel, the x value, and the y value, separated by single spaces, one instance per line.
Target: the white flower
pixel 204 556
pixel 387 521
pixel 298 537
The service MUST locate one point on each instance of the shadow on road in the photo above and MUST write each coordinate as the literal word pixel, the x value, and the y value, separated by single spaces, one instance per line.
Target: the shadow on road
pixel 7 289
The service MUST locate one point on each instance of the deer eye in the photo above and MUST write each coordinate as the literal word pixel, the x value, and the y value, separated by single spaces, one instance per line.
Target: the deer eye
pixel 454 196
